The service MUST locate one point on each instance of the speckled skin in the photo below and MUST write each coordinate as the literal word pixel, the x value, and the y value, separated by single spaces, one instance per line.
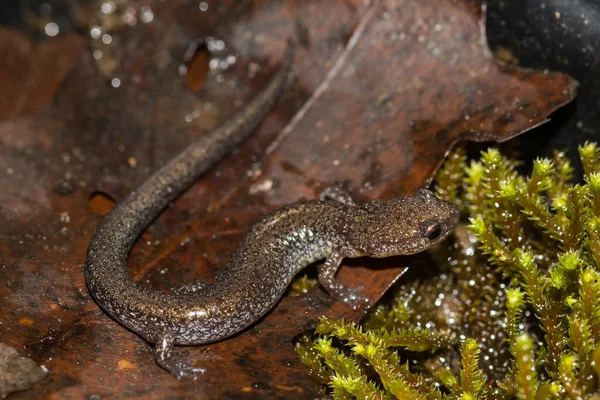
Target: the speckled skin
pixel 268 257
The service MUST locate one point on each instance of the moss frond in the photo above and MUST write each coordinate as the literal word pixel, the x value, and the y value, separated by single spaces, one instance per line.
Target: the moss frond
pixel 515 300
pixel 491 245
pixel 589 303
pixel 475 195
pixel 549 391
pixel 348 380
pixel 414 339
pixel 311 358
pixel 541 176
pixel 580 340
pixel 537 209
pixel 472 378
pixel 302 285
pixel 388 316
pixel 562 174
pixel 393 377
pixel 525 375
pixel 596 361
pixel 563 273
pixel 593 185
pixel 590 158
pixel 567 371
pixel 450 177
pixel 593 240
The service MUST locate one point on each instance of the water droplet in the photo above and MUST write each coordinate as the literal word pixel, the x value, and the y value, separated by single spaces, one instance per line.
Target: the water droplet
pixel 147 15
pixel 51 29
pixel 65 218
pixel 95 32
pixel 108 7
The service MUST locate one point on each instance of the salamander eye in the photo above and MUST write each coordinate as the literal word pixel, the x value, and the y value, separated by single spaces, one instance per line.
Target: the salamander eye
pixel 432 230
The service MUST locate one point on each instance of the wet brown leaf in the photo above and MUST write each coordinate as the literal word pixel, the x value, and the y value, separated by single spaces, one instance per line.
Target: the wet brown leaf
pixel 30 73
pixel 383 90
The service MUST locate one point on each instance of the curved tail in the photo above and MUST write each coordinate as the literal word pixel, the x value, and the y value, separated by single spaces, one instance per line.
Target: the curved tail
pixel 106 269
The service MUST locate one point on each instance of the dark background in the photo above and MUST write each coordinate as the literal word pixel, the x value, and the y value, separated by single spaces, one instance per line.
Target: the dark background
pixel 558 35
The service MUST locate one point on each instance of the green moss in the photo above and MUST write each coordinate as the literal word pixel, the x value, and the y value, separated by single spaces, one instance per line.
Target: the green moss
pixel 510 308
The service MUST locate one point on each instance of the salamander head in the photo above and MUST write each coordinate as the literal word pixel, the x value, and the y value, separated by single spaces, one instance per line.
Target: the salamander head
pixel 406 225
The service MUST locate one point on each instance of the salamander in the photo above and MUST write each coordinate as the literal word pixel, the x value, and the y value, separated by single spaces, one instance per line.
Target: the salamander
pixel 272 252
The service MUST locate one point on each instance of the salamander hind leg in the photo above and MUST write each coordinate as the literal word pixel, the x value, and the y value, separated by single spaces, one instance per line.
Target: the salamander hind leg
pixel 164 357
pixel 350 296
pixel 337 192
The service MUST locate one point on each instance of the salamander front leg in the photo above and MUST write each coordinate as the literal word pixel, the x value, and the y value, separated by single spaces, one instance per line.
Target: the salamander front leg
pixel 350 296
pixel 337 192
pixel 164 357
